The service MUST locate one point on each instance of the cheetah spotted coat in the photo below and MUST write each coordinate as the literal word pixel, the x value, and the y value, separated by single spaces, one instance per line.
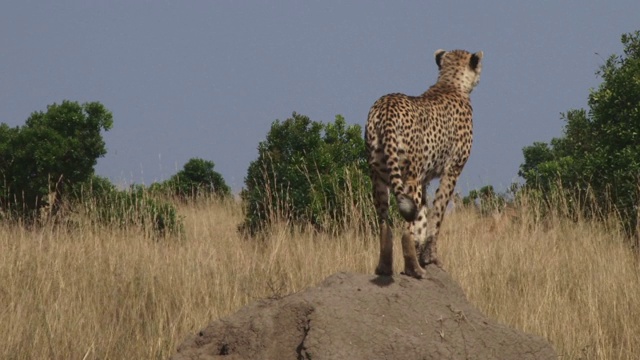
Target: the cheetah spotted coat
pixel 410 141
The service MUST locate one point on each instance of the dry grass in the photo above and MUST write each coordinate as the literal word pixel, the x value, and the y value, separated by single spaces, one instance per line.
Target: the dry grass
pixel 575 283
pixel 95 293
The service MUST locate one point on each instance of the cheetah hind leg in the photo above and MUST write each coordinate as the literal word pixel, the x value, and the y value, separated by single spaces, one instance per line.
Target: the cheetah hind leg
pixel 411 266
pixel 385 264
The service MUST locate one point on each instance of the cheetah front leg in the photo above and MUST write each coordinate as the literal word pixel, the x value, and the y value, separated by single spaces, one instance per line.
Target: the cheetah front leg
pixel 411 265
pixel 428 250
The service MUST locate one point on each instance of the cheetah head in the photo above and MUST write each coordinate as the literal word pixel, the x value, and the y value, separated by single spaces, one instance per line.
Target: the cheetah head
pixel 459 68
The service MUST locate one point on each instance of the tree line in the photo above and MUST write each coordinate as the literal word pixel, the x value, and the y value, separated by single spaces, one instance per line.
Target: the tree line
pixel 596 161
pixel 316 174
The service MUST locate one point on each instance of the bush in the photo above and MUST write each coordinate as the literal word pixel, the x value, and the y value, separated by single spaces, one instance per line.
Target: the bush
pixel 597 160
pixel 54 151
pixel 135 206
pixel 104 205
pixel 485 200
pixel 197 178
pixel 308 172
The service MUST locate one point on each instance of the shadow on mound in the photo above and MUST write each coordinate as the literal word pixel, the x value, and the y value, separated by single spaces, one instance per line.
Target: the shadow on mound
pixel 356 316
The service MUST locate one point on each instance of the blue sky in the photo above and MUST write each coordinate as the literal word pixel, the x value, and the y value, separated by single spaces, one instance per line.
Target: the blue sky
pixel 207 78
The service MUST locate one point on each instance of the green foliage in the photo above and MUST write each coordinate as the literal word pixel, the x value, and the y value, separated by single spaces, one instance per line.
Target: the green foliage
pixel 49 161
pixel 97 186
pixel 599 154
pixel 135 206
pixel 486 200
pixel 307 172
pixel 52 152
pixel 197 178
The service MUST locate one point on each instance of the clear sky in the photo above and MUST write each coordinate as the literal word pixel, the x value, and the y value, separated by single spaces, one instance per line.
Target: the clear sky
pixel 207 78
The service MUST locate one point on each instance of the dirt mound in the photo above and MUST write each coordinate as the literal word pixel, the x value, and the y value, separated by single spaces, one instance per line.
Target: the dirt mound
pixel 356 316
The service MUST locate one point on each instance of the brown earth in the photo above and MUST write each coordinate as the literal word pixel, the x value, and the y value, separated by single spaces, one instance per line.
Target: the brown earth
pixel 356 316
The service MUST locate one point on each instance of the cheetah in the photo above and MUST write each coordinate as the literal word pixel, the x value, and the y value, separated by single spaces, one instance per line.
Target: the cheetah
pixel 412 140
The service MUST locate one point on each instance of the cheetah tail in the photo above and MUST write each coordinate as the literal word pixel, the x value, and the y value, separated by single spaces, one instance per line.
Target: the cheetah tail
pixel 407 207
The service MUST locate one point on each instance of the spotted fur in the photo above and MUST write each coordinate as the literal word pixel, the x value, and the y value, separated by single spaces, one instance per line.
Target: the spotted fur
pixel 410 141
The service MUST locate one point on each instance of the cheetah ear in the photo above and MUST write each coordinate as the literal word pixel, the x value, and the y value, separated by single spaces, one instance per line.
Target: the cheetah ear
pixel 439 54
pixel 475 60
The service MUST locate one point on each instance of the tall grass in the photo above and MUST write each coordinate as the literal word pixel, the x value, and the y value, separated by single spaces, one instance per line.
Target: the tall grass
pixel 574 281
pixel 93 292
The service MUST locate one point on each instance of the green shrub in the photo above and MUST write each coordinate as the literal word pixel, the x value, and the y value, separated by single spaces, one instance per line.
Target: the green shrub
pixel 54 151
pixel 308 172
pixel 134 207
pixel 485 200
pixel 597 160
pixel 197 178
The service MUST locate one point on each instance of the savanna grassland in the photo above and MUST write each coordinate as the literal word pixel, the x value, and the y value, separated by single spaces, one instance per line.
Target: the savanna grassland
pixel 84 291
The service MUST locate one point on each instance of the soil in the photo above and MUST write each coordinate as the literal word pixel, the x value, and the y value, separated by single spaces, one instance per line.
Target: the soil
pixel 357 316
